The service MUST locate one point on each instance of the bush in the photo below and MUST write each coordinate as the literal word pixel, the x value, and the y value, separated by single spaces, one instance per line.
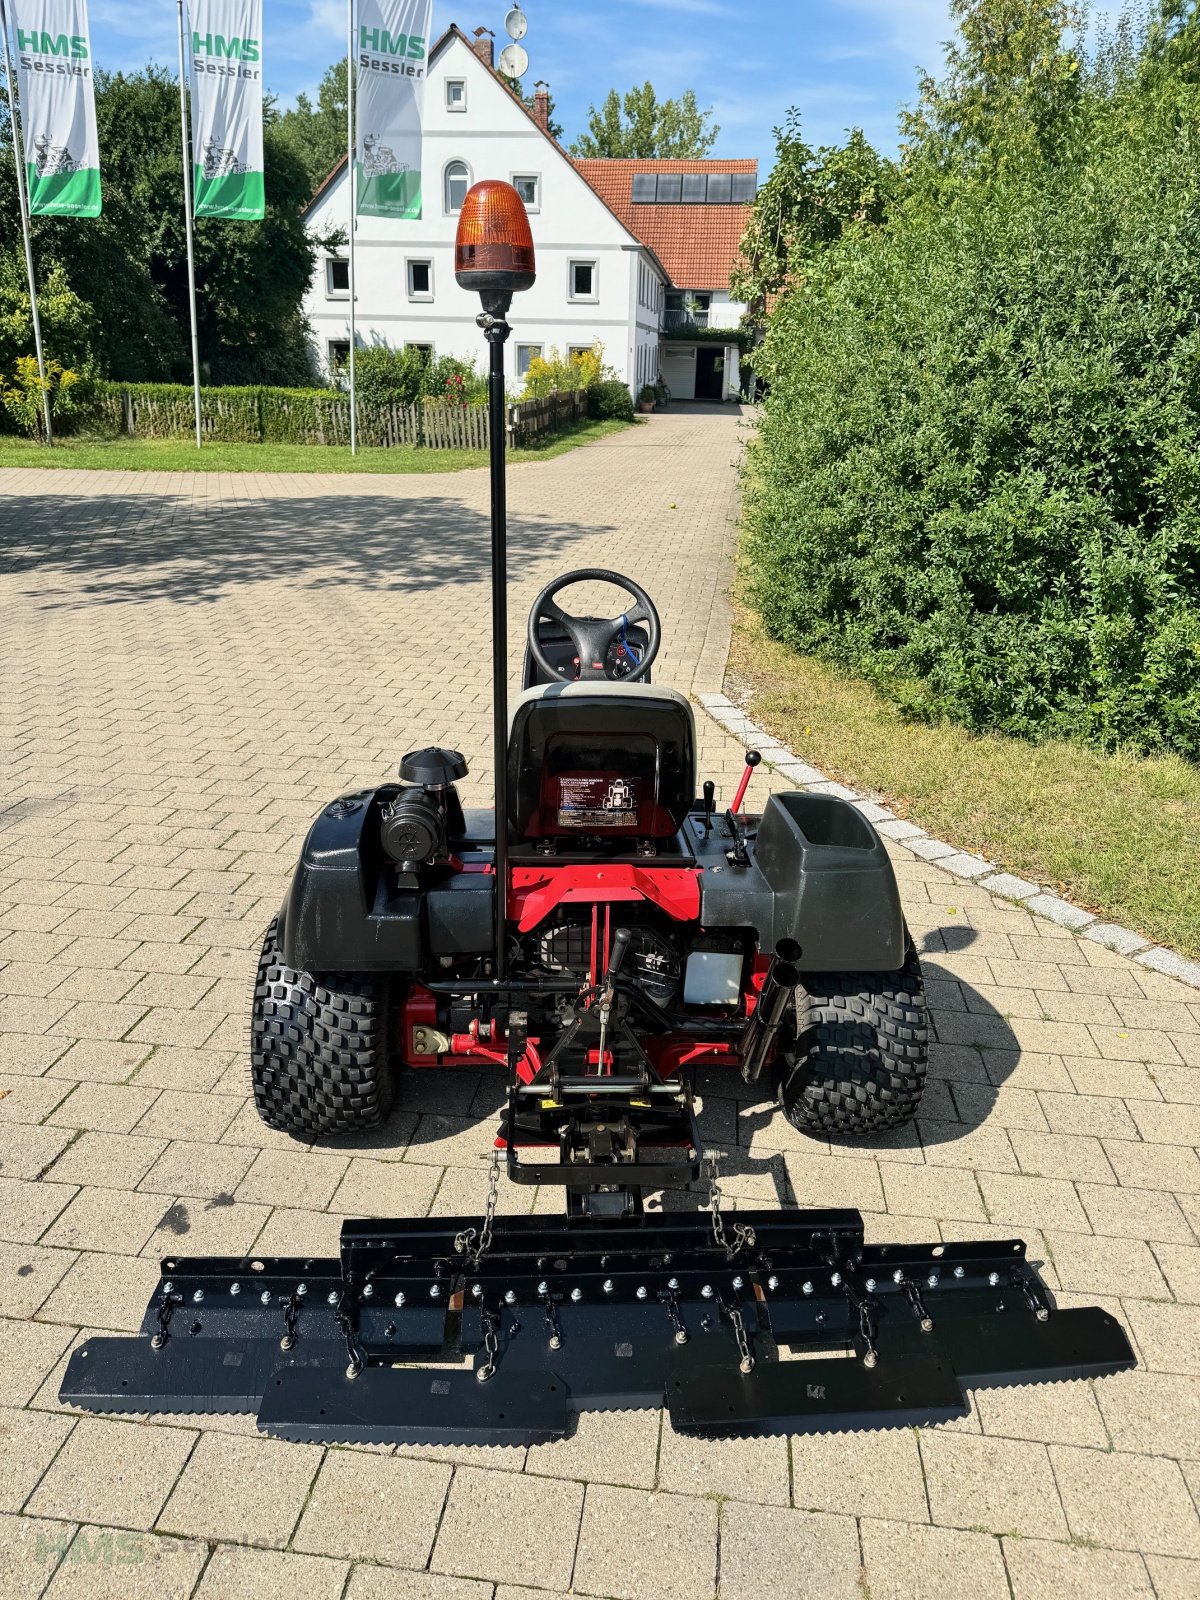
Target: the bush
pixel 554 374
pixel 977 480
pixel 21 397
pixel 383 376
pixel 609 400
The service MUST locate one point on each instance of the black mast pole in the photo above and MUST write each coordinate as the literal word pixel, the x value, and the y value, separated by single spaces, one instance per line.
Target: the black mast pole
pixel 497 330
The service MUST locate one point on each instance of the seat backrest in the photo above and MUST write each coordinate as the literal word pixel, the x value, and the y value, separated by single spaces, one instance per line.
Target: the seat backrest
pixel 605 760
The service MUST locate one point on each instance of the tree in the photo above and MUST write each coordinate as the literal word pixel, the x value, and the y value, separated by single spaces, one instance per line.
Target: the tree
pixel 1010 83
pixel 808 202
pixel 644 126
pixel 68 323
pixel 317 135
pixel 129 266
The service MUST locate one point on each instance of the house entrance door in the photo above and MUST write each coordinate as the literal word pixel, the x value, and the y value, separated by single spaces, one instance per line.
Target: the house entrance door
pixel 710 373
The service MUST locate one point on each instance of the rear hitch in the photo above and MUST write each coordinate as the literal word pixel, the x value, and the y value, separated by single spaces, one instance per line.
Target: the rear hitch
pixel 405 1338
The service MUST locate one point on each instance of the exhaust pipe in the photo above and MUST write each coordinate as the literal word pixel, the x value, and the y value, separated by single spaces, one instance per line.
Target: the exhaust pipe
pixel 759 1033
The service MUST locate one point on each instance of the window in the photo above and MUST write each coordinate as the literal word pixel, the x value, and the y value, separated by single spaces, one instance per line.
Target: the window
pixel 581 280
pixel 529 186
pixel 576 352
pixel 338 352
pixel 337 278
pixel 425 350
pixel 456 94
pixel 525 354
pixel 455 185
pixel 420 280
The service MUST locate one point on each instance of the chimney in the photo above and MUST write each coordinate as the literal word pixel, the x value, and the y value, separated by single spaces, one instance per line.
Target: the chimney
pixel 541 105
pixel 484 46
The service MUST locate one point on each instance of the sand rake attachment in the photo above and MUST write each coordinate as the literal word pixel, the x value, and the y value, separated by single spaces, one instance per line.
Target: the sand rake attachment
pixel 433 1331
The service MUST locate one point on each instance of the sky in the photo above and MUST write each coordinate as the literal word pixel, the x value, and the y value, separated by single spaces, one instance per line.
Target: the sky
pixel 845 63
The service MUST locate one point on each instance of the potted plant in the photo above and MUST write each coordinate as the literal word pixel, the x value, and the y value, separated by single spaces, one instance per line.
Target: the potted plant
pixel 647 397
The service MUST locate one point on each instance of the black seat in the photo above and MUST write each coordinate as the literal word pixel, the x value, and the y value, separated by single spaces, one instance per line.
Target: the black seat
pixel 610 761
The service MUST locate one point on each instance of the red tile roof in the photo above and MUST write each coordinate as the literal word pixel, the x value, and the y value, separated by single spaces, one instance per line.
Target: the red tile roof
pixel 698 245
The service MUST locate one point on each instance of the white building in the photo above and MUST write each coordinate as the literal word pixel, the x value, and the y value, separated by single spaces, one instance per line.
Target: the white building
pixel 598 276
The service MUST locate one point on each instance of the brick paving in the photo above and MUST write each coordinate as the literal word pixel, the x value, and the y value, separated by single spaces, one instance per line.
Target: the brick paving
pixel 191 666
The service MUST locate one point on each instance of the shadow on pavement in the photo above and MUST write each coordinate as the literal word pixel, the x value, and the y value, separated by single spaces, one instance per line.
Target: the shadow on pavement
pixel 140 547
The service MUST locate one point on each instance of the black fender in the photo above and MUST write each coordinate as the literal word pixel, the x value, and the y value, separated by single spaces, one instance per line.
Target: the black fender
pixel 819 878
pixel 345 911
pixel 834 888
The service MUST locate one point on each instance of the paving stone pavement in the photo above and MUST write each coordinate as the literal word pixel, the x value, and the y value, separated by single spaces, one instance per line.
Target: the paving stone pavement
pixel 190 667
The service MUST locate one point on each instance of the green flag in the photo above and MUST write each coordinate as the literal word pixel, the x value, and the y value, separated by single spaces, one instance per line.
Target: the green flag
pixel 391 59
pixel 227 140
pixel 58 109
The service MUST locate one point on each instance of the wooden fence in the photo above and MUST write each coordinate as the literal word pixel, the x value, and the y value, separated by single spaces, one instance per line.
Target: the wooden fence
pixel 257 416
pixel 529 419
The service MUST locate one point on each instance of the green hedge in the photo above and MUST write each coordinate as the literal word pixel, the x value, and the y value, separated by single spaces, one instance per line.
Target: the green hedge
pixel 977 480
pixel 258 415
pixel 229 415
pixel 609 400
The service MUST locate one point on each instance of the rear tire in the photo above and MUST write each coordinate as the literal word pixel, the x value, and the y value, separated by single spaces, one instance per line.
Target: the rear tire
pixel 858 1059
pixel 318 1048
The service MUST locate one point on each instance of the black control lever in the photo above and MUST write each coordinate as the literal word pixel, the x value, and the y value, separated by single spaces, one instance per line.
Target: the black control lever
pixel 739 856
pixel 710 805
pixel 616 960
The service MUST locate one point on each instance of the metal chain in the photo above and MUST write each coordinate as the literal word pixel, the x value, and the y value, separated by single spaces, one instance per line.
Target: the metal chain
pixel 1031 1292
pixel 346 1316
pixel 734 1313
pixel 166 1309
pixel 291 1316
pixel 491 1345
pixel 743 1237
pixel 465 1241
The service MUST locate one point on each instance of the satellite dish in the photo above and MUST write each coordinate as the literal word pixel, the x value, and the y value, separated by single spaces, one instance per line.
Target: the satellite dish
pixel 515 24
pixel 514 60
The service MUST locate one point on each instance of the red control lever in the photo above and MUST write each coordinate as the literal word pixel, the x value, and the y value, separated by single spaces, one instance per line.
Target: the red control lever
pixel 752 760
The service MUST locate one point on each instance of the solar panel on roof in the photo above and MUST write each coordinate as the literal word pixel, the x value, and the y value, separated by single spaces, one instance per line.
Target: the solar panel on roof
pixel 743 188
pixel 718 188
pixel 643 188
pixel 668 188
pixel 694 184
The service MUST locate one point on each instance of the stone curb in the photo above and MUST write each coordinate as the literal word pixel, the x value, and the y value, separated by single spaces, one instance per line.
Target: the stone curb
pixel 948 857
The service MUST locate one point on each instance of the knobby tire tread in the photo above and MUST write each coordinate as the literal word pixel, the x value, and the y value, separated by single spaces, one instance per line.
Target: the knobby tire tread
pixel 318 1048
pixel 858 1061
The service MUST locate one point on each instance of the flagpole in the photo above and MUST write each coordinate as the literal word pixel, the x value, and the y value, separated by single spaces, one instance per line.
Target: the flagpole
pixel 22 201
pixel 187 213
pixel 353 179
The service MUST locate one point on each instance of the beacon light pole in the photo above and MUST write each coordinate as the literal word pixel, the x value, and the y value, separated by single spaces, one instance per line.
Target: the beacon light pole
pixel 493 254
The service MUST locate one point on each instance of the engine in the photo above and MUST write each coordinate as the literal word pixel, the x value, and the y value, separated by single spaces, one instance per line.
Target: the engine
pixel 574 946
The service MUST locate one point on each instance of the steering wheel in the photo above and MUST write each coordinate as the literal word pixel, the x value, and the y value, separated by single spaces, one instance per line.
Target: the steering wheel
pixel 593 636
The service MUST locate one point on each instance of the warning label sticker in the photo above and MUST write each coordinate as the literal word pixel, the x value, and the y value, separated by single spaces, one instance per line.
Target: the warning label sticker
pixel 597 802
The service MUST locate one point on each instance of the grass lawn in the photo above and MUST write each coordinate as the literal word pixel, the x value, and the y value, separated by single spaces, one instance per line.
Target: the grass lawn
pixel 180 455
pixel 1116 834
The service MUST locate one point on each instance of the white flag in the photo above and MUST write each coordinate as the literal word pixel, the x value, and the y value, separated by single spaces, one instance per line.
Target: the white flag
pixel 227 142
pixel 392 56
pixel 58 111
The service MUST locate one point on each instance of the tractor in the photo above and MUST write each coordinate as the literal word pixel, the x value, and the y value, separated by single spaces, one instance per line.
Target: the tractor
pixel 602 934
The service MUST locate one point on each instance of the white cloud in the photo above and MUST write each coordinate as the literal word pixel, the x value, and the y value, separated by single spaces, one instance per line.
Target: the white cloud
pixel 328 17
pixel 915 28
